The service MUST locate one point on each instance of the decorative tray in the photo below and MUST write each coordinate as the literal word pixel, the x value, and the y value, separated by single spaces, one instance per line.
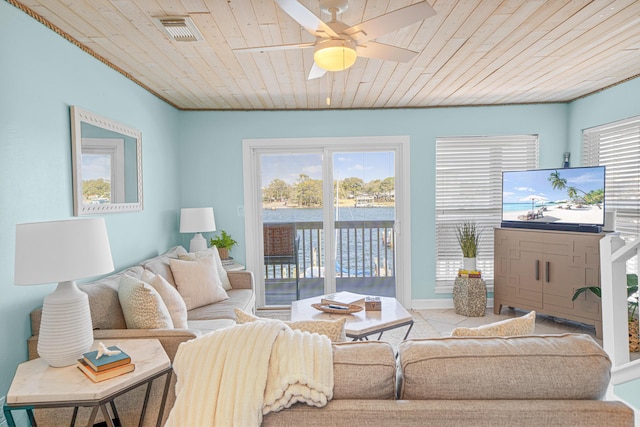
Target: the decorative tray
pixel 352 308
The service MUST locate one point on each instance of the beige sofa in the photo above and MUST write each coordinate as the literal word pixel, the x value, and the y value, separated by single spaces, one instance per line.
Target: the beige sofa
pixel 553 380
pixel 109 323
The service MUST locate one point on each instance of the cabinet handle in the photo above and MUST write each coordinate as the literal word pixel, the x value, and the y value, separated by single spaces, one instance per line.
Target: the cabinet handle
pixel 537 269
pixel 546 267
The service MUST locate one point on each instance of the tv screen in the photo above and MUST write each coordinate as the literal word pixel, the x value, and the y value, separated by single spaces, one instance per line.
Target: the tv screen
pixel 553 197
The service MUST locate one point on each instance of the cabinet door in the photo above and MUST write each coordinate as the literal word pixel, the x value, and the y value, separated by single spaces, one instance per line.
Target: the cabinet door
pixel 518 273
pixel 570 262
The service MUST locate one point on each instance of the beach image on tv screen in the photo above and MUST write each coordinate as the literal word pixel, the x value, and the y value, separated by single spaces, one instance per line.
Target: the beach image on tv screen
pixel 565 196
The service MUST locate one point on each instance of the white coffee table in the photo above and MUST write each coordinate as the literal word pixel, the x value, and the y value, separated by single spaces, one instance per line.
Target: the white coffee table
pixel 359 325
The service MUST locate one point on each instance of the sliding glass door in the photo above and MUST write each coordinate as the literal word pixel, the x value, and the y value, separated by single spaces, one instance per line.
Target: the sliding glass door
pixel 323 216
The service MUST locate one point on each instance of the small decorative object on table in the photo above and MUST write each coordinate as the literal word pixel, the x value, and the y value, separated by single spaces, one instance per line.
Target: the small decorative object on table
pixel 337 308
pixel 224 243
pixel 105 363
pixel 343 298
pixel 470 296
pixel 468 235
pixel 372 304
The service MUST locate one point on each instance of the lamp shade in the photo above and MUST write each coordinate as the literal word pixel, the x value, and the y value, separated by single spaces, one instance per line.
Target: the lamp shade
pixel 197 220
pixel 59 251
pixel 335 55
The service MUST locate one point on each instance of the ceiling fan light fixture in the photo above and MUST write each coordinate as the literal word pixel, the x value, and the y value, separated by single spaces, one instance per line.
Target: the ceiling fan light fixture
pixel 335 55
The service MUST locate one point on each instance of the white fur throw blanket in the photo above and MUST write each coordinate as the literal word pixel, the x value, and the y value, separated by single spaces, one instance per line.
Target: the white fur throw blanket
pixel 236 375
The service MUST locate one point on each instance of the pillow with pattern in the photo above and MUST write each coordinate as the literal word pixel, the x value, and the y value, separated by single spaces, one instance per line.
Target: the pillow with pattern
pixel 142 305
pixel 524 325
pixel 334 329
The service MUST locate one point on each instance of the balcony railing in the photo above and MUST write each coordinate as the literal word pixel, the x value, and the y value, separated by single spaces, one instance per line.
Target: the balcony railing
pixel 364 261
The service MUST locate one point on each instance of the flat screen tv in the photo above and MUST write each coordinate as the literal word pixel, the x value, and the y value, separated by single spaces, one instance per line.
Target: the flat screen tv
pixel 570 199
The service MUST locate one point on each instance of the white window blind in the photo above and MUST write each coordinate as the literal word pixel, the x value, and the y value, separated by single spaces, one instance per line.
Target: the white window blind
pixel 469 187
pixel 617 146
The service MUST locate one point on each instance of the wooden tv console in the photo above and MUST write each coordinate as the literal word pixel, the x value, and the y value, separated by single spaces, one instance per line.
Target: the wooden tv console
pixel 541 269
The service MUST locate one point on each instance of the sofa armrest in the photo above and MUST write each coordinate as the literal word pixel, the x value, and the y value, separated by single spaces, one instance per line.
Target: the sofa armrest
pixel 241 279
pixel 169 338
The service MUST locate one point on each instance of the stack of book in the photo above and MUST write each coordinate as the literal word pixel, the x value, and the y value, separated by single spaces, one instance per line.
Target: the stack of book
pixel 106 366
pixel 472 274
pixel 343 298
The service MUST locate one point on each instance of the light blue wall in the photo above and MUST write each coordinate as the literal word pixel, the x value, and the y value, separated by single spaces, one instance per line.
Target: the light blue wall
pixel 41 76
pixel 211 153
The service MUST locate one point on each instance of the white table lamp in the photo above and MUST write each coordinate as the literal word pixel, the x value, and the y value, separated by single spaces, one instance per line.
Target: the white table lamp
pixel 63 251
pixel 197 220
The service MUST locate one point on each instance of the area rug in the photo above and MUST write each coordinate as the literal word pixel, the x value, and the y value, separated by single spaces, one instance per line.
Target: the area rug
pixel 421 327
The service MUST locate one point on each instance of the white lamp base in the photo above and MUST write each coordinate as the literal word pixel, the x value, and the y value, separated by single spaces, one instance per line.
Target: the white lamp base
pixel 198 243
pixel 66 330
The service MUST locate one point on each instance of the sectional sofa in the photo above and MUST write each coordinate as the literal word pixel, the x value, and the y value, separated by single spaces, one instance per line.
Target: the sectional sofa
pixel 553 380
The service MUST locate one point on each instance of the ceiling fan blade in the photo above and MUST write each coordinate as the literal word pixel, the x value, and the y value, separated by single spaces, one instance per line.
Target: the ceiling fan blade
pixel 391 21
pixel 274 48
pixel 306 18
pixel 385 51
pixel 316 72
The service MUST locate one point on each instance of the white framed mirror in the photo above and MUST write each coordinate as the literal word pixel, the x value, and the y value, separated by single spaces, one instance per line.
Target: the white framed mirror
pixel 107 164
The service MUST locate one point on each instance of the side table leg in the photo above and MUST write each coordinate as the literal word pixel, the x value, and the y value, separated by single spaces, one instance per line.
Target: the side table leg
pixel 9 417
pixel 144 405
pixel 116 417
pixel 107 417
pixel 32 418
pixel 408 330
pixel 92 418
pixel 164 398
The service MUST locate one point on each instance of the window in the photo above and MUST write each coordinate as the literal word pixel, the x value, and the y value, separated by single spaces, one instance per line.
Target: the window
pixel 617 146
pixel 469 187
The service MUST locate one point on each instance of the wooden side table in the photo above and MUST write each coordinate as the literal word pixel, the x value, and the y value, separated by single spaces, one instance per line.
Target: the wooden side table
pixel 37 385
pixel 469 296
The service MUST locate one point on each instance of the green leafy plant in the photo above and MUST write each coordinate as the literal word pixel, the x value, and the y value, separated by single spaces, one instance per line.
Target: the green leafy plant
pixel 468 234
pixel 224 241
pixel 632 288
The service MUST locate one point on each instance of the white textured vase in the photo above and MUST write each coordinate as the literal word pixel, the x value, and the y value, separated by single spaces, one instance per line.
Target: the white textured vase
pixel 468 264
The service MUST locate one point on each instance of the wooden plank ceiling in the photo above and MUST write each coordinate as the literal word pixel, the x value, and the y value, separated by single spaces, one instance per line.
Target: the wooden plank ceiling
pixel 472 52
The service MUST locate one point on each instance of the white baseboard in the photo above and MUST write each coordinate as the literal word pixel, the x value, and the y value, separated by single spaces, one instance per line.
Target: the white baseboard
pixel 438 304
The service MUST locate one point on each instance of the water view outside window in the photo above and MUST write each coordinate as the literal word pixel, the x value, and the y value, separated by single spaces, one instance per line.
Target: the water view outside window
pixel 363 212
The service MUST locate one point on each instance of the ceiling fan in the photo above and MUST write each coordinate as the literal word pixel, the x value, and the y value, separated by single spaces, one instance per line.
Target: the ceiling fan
pixel 337 45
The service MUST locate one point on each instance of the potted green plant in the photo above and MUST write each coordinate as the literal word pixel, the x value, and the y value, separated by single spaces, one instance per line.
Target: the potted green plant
pixel 468 234
pixel 224 243
pixel 632 307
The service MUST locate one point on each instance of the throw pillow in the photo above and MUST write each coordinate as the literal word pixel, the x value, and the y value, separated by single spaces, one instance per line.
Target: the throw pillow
pixel 171 298
pixel 197 281
pixel 334 329
pixel 142 306
pixel 524 325
pixel 212 251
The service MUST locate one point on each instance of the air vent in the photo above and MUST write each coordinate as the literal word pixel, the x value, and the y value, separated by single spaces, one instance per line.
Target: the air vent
pixel 180 28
